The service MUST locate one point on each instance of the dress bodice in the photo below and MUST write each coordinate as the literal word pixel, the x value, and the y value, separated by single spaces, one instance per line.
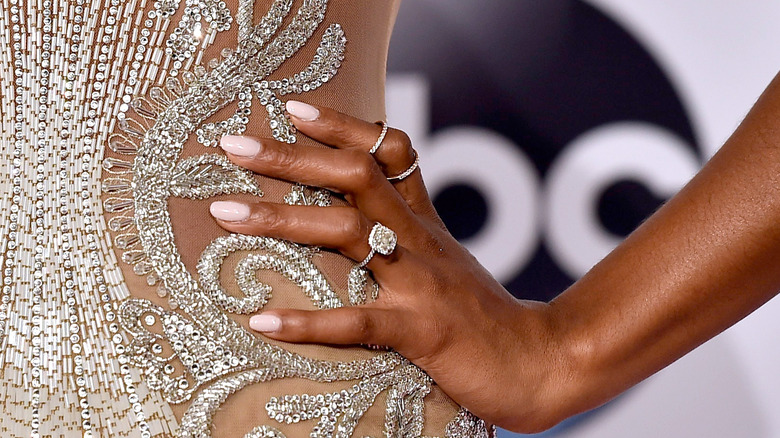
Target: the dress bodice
pixel 124 307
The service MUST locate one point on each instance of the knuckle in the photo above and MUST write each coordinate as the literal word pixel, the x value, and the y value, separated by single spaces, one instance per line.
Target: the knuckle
pixel 268 218
pixel 438 338
pixel 431 333
pixel 437 282
pixel 425 337
pixel 399 146
pixel 281 156
pixel 430 243
pixel 363 169
pixel 363 326
pixel 296 326
pixel 354 228
pixel 403 138
pixel 342 129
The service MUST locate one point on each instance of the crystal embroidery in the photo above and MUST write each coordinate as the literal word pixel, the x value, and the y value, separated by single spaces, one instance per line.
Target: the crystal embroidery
pixel 91 360
pixel 205 176
pixel 290 260
pixel 55 266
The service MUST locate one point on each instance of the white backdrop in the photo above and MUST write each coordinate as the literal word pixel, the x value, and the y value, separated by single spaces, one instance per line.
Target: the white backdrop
pixel 719 55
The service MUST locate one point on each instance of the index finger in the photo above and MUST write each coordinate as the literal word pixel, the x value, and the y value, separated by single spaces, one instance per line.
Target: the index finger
pixel 395 155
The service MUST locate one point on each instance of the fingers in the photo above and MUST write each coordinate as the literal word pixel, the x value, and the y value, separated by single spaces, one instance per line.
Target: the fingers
pixel 341 131
pixel 341 171
pixel 342 326
pixel 395 154
pixel 352 172
pixel 344 229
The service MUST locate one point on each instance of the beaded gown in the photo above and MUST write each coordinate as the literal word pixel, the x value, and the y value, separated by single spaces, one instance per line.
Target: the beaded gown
pixel 124 308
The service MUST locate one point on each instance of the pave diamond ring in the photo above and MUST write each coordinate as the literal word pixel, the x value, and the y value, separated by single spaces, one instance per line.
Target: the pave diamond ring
pixel 408 171
pixel 382 240
pixel 381 138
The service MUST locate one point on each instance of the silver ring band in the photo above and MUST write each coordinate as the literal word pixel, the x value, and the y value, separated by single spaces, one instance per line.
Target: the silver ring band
pixel 382 240
pixel 381 138
pixel 408 171
pixel 367 259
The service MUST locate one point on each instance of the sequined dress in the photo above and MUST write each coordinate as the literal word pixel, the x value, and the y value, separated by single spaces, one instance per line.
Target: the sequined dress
pixel 124 308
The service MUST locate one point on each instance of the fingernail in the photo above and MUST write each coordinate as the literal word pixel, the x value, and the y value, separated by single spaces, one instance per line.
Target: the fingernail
pixel 265 323
pixel 241 146
pixel 302 111
pixel 229 211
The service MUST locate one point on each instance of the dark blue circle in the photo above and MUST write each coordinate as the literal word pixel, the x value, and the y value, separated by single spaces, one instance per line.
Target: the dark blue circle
pixel 541 74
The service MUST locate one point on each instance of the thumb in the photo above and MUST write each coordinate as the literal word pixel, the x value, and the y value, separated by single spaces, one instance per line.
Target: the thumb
pixel 342 326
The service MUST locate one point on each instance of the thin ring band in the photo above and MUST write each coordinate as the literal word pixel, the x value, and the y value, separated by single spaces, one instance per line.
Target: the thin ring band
pixel 368 258
pixel 408 171
pixel 381 240
pixel 381 138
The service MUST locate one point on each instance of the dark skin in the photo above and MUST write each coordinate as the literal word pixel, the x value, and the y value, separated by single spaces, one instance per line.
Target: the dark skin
pixel 701 263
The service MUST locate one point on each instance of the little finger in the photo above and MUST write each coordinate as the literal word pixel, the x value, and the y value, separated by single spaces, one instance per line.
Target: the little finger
pixel 342 326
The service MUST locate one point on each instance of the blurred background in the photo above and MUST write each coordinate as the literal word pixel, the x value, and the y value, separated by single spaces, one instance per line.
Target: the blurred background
pixel 549 130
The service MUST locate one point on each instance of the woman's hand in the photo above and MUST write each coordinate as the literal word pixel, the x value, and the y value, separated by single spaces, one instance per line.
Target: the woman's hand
pixel 701 263
pixel 437 305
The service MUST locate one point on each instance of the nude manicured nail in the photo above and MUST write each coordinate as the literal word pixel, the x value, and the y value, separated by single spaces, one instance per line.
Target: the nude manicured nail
pixel 241 146
pixel 302 111
pixel 265 323
pixel 229 211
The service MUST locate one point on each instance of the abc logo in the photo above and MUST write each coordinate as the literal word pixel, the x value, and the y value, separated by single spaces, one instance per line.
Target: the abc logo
pixel 546 132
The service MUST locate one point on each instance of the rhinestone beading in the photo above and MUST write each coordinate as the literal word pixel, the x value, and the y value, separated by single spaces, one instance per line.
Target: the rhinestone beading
pixel 89 77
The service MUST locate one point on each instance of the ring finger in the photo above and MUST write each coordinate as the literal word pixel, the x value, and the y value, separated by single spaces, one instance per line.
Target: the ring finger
pixel 344 229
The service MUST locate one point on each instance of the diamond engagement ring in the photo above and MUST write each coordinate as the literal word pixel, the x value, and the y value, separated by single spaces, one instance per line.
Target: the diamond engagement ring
pixel 381 138
pixel 382 240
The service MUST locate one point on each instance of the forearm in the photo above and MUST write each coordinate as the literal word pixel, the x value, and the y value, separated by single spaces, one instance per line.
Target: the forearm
pixel 697 266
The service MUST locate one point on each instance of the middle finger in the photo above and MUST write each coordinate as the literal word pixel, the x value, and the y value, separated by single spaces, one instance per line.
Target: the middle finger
pixel 351 172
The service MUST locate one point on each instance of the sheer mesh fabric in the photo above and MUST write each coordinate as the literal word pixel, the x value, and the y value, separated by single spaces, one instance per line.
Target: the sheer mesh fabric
pixel 358 90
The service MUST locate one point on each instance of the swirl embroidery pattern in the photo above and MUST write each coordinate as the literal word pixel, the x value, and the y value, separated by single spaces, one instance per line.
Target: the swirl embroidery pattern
pixel 227 348
pixel 63 299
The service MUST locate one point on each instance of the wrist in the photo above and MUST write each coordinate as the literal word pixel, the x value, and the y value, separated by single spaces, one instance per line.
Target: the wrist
pixel 584 379
pixel 550 376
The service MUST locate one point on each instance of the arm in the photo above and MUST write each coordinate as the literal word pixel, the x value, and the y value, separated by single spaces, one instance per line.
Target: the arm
pixel 701 263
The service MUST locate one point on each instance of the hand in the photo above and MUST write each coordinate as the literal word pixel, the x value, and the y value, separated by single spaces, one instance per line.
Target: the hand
pixel 702 262
pixel 437 306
